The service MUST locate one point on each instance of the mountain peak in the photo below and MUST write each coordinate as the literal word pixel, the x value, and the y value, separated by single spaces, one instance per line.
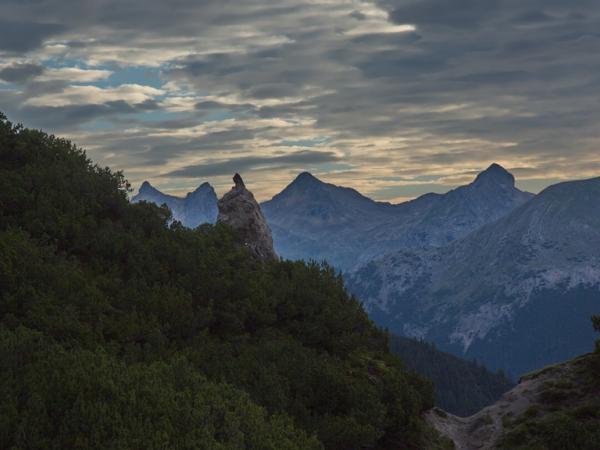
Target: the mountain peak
pixel 306 178
pixel 146 187
pixel 239 183
pixel 204 187
pixel 495 174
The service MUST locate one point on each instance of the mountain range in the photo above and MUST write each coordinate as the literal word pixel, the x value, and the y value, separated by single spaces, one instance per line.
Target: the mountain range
pixel 197 207
pixel 516 293
pixel 485 271
pixel 314 220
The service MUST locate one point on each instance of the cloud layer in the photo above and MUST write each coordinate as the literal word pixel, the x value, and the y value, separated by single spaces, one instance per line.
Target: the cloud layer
pixel 394 97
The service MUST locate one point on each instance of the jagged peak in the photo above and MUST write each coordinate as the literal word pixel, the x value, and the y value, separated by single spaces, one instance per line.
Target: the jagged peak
pixel 305 178
pixel 495 174
pixel 147 187
pixel 204 187
pixel 304 182
pixel 239 183
pixel 239 210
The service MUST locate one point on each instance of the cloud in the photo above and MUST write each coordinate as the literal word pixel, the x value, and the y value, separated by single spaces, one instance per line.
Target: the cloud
pixel 74 75
pixel 451 13
pixel 86 95
pixel 18 73
pixel 21 36
pixel 250 163
pixel 396 87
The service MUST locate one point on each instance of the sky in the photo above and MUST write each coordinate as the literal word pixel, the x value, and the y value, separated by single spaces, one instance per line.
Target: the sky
pixel 395 98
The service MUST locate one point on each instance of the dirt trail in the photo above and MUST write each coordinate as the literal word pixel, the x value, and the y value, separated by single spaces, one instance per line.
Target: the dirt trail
pixel 482 430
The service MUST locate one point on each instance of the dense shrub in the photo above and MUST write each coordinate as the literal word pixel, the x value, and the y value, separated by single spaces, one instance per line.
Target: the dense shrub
pixel 122 331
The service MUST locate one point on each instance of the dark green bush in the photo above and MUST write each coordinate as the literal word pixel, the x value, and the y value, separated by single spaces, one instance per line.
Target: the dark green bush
pixel 106 309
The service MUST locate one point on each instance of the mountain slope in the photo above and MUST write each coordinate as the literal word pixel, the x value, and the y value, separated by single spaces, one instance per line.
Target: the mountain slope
pixel 197 207
pixel 462 387
pixel 320 221
pixel 120 330
pixel 557 408
pixel 315 220
pixel 515 294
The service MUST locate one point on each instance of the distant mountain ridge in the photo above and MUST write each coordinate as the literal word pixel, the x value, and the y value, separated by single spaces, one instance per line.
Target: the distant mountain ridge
pixel 516 294
pixel 315 220
pixel 197 207
pixel 311 219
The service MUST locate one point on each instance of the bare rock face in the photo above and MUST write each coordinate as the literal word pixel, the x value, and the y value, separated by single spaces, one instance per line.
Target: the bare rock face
pixel 239 210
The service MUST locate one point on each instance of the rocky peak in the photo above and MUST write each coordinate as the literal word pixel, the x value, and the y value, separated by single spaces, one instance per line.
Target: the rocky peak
pixel 305 181
pixel 239 183
pixel 239 210
pixel 305 177
pixel 495 175
pixel 204 189
pixel 146 187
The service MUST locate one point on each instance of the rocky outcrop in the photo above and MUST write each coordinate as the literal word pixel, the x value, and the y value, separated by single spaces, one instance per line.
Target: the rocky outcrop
pixel 239 210
pixel 549 395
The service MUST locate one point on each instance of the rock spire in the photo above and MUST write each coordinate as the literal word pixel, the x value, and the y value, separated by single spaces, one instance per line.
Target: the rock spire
pixel 239 210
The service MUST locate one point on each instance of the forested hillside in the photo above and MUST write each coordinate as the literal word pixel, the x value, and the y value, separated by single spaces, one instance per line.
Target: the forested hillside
pixel 461 387
pixel 118 330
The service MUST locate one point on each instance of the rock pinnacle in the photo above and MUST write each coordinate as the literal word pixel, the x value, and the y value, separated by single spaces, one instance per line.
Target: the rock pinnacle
pixel 239 210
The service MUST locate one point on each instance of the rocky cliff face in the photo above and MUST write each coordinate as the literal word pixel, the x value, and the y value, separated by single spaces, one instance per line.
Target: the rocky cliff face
pixel 239 209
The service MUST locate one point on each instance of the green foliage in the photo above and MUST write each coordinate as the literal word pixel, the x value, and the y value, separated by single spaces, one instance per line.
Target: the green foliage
pixel 461 387
pixel 59 398
pixel 559 431
pixel 568 415
pixel 122 331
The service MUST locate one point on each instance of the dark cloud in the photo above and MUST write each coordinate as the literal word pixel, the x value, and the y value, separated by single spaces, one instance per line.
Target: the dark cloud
pixel 302 158
pixel 358 15
pixel 19 37
pixel 18 73
pixel 157 153
pixel 207 107
pixel 389 64
pixel 68 117
pixel 533 16
pixel 451 13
